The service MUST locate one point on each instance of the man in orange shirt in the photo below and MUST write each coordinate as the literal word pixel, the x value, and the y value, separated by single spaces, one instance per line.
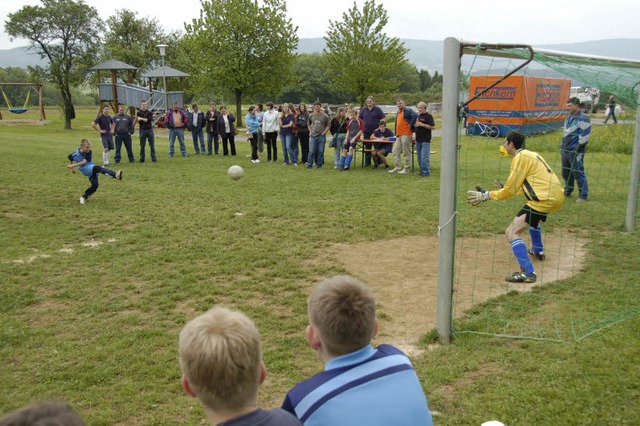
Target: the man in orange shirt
pixel 405 120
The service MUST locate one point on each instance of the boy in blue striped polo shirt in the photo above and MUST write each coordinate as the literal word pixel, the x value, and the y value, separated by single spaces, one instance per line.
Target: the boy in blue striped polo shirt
pixel 361 385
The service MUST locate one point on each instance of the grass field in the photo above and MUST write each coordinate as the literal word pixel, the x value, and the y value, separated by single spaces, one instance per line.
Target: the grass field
pixel 93 296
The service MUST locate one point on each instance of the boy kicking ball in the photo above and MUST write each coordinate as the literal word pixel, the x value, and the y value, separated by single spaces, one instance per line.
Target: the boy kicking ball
pixel 81 159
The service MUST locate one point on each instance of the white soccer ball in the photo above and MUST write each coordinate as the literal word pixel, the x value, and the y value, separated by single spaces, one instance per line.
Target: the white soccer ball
pixel 235 172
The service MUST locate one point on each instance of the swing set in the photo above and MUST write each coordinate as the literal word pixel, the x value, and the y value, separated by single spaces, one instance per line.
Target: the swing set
pixel 18 110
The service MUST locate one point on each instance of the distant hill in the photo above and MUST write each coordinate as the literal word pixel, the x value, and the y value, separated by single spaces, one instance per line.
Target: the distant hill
pixel 19 57
pixel 428 54
pixel 626 48
pixel 424 54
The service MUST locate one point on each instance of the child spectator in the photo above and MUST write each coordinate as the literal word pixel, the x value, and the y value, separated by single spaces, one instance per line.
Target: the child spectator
pixel 81 158
pixel 361 385
pixel 222 366
pixel 380 149
pixel 355 126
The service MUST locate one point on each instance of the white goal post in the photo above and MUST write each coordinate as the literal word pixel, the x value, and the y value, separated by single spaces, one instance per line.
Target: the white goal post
pixel 454 49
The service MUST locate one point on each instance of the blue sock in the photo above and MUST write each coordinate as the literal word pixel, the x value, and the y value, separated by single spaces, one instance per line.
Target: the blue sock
pixel 536 239
pixel 520 251
pixel 349 158
pixel 342 160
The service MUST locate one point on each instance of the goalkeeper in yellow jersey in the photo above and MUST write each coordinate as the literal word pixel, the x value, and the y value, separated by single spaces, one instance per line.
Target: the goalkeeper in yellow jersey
pixel 531 176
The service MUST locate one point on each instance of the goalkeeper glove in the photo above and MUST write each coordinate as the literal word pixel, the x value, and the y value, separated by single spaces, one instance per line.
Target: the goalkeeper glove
pixel 476 197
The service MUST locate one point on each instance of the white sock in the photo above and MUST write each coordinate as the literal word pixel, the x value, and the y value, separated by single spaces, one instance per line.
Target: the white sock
pixel 108 154
pixel 104 157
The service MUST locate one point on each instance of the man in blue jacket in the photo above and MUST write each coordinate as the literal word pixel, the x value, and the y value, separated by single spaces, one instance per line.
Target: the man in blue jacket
pixel 577 129
pixel 196 123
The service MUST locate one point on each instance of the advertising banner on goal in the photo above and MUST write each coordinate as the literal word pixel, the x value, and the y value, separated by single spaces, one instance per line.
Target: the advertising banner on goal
pixel 524 103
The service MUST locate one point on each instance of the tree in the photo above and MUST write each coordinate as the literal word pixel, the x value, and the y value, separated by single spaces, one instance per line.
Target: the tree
pixel 67 34
pixel 133 40
pixel 360 56
pixel 16 94
pixel 425 80
pixel 409 77
pixel 241 46
pixel 437 78
pixel 308 81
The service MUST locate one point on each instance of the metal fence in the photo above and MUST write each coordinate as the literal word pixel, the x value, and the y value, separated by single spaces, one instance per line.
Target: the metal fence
pixel 132 95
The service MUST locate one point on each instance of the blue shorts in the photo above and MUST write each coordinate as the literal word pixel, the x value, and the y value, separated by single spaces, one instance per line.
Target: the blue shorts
pixel 107 141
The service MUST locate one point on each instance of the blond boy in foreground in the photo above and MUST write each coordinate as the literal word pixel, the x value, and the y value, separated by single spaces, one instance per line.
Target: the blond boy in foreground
pixel 221 361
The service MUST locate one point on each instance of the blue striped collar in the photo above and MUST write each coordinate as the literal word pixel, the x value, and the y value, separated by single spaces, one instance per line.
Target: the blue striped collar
pixel 351 358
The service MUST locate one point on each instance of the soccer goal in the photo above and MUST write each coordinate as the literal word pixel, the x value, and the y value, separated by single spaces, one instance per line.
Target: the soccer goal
pixel 591 249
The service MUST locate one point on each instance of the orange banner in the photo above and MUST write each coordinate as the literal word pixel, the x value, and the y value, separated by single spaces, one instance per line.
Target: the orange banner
pixel 523 103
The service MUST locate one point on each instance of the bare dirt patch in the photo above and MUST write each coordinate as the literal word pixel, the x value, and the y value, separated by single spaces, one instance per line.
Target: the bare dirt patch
pixel 9 122
pixel 15 215
pixel 403 274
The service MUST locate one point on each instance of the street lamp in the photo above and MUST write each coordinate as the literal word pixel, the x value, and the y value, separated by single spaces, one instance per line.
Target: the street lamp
pixel 162 48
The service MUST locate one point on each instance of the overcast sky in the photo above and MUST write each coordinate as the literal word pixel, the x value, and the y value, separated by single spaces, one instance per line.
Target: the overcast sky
pixel 518 21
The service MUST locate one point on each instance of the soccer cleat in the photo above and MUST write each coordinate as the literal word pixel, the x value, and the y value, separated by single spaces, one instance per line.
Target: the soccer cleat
pixel 581 200
pixel 119 175
pixel 82 200
pixel 403 172
pixel 539 255
pixel 395 170
pixel 522 277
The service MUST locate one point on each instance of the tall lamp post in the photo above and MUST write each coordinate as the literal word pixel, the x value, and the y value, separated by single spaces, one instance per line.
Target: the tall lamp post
pixel 162 48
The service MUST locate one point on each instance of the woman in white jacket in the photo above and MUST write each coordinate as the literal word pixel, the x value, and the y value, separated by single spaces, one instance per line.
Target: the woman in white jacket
pixel 270 130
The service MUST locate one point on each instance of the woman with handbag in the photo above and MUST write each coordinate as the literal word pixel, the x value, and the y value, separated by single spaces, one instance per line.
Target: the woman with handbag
pixel 227 130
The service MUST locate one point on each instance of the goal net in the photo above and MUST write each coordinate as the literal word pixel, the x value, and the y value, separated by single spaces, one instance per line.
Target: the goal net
pixel 588 278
